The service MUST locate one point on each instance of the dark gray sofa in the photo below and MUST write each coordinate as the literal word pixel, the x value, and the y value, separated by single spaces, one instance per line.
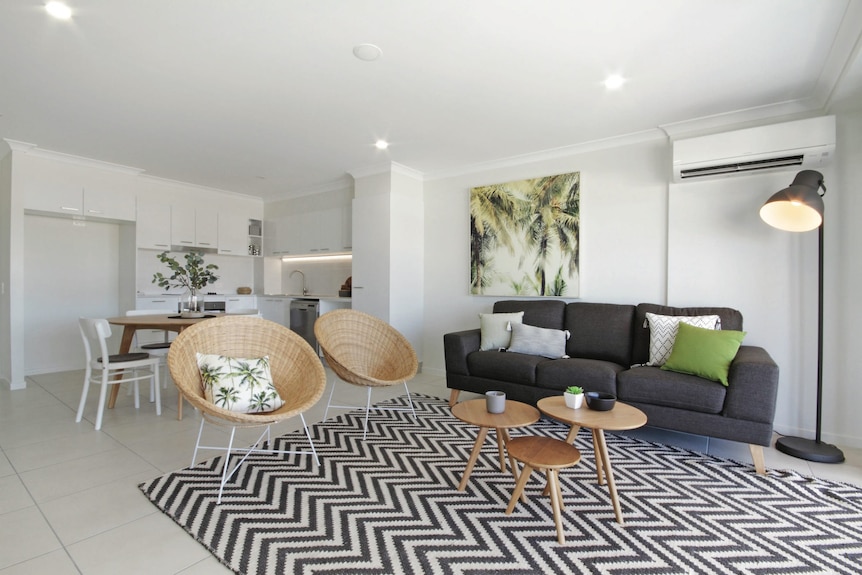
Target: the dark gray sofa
pixel 606 350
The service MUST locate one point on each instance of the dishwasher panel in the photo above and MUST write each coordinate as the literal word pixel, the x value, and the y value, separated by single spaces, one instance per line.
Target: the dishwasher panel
pixel 303 314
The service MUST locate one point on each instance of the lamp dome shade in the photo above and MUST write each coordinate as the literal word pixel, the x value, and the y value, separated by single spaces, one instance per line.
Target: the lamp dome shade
pixel 797 208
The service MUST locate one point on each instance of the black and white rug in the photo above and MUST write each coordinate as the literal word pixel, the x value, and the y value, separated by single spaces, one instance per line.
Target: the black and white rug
pixel 390 505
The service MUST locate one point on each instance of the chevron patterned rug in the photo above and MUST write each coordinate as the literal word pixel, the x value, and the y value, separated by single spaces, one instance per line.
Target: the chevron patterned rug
pixel 390 505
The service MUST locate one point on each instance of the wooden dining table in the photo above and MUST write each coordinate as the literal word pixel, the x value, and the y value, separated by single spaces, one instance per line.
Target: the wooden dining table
pixel 132 323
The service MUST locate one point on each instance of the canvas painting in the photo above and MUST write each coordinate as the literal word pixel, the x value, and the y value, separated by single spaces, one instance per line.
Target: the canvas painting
pixel 525 237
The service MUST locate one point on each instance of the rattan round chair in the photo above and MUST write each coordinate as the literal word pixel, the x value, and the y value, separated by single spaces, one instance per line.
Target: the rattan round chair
pixel 366 351
pixel 297 374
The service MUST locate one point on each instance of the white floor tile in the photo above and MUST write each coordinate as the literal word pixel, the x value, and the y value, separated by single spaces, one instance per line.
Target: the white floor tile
pixel 61 479
pixel 152 544
pixel 99 509
pixel 13 494
pixel 25 534
pixel 56 563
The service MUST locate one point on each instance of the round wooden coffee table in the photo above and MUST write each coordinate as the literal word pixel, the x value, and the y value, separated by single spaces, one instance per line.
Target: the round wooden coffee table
pixel 621 417
pixel 474 412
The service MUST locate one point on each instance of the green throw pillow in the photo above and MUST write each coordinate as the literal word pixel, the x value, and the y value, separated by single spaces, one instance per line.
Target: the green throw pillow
pixel 706 353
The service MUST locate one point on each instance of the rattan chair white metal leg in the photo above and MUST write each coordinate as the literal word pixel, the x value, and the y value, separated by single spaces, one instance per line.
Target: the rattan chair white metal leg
pixel 368 407
pixel 297 375
pixel 366 351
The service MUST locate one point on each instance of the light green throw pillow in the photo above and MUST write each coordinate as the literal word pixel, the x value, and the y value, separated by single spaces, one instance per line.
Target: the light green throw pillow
pixel 706 353
pixel 238 384
pixel 496 329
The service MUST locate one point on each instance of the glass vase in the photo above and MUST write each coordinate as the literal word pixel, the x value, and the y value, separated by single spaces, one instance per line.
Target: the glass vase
pixel 193 302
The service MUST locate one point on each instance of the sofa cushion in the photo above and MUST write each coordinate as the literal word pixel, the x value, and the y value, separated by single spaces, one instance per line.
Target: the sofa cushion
pixel 496 329
pixel 663 329
pixel 591 374
pixel 704 352
pixel 504 366
pixel 541 313
pixel 653 386
pixel 730 319
pixel 600 331
pixel 538 341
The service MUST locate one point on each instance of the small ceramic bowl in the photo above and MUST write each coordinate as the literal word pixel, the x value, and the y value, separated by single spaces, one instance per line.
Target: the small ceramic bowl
pixel 600 401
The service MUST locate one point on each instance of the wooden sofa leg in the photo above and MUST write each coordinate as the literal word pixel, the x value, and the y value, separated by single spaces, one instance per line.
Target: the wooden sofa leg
pixel 757 456
pixel 453 397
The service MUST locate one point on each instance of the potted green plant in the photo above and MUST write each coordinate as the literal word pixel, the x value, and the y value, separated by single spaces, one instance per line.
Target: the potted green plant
pixel 194 276
pixel 574 396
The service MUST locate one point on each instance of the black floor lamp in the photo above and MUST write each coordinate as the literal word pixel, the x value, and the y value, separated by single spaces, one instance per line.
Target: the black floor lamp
pixel 799 208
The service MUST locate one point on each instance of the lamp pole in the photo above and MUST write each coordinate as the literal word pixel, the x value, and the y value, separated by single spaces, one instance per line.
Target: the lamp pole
pixel 804 194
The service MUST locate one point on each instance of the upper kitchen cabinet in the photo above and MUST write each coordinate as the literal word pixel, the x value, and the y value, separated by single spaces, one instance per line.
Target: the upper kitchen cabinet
pixel 153 226
pixel 194 227
pixel 323 232
pixel 239 235
pixel 75 200
pixel 283 236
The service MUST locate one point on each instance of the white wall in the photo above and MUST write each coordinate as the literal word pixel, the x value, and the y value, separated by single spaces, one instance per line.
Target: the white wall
pixel 644 239
pixel 70 271
pixel 5 251
pixel 623 235
pixel 843 362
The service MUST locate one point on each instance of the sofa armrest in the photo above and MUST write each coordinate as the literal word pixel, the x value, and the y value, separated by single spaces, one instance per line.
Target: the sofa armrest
pixel 752 386
pixel 456 346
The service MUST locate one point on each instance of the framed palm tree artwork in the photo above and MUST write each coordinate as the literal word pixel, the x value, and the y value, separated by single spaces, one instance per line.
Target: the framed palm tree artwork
pixel 524 237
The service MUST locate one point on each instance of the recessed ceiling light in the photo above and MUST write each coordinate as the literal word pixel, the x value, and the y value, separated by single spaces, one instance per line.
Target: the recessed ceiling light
pixel 58 10
pixel 614 82
pixel 367 52
pixel 381 144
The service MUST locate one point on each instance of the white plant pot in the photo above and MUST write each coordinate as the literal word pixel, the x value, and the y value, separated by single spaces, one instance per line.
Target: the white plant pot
pixel 574 401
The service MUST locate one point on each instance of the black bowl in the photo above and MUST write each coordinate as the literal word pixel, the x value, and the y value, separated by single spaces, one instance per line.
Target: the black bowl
pixel 600 401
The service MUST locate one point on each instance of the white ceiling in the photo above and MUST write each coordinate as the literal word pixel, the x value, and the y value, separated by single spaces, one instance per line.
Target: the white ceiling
pixel 265 97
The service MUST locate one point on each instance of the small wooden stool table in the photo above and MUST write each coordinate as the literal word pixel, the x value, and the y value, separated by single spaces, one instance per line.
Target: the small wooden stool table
pixel 543 453
pixel 621 417
pixel 474 412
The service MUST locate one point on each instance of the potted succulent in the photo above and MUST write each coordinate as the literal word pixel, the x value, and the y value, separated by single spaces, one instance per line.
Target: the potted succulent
pixel 574 396
pixel 194 276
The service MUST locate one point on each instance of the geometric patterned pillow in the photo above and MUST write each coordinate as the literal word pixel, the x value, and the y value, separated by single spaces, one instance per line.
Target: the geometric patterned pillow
pixel 238 384
pixel 662 332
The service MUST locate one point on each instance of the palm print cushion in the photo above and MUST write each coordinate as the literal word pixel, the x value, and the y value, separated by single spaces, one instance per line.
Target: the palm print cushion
pixel 239 384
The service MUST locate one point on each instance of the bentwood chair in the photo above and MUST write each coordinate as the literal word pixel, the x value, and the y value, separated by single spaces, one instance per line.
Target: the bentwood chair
pixel 366 351
pixel 297 375
pixel 113 369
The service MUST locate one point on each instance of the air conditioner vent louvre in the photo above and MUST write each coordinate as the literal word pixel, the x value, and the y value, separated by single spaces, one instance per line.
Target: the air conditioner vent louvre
pixel 800 144
pixel 743 167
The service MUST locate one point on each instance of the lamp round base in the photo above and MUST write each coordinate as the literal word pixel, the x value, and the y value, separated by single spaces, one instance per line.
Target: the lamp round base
pixel 809 449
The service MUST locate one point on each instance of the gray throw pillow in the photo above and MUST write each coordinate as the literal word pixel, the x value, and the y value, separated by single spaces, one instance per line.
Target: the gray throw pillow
pixel 495 330
pixel 538 340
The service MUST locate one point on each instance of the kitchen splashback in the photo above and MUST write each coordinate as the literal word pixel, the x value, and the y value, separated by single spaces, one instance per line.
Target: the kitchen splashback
pixel 233 272
pixel 320 277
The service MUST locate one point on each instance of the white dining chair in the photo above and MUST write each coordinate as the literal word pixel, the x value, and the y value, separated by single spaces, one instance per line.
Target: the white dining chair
pixel 113 369
pixel 158 349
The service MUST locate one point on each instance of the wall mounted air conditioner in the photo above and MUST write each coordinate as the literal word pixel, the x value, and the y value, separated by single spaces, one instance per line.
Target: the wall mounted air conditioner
pixel 803 144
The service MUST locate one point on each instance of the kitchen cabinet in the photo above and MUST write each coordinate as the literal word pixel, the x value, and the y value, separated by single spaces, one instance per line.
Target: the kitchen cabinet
pixel 322 231
pixel 346 228
pixel 234 303
pixel 232 234
pixel 74 200
pixel 274 309
pixel 371 271
pixel 153 226
pixel 284 239
pixel 194 227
